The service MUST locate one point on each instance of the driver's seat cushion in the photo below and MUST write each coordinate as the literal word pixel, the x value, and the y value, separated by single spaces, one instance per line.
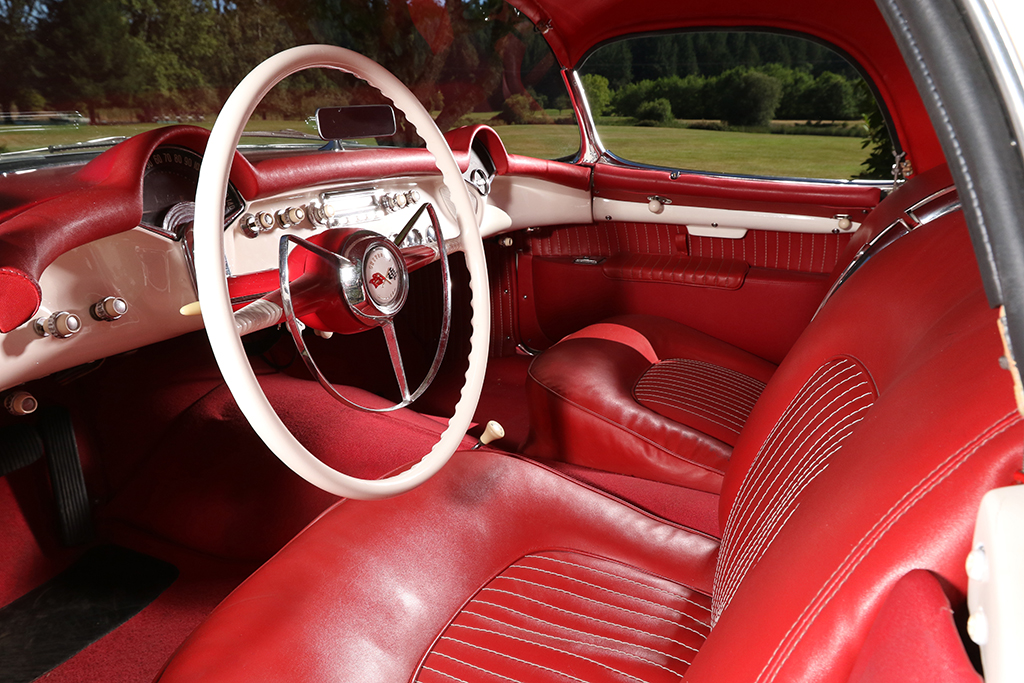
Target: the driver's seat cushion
pixel 518 568
pixel 568 613
pixel 644 396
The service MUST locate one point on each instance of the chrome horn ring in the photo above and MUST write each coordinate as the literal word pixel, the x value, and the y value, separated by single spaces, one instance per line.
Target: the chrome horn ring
pixel 360 283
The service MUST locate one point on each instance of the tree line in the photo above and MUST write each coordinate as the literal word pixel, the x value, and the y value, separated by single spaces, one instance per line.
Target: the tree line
pixel 164 58
pixel 740 96
pixel 742 78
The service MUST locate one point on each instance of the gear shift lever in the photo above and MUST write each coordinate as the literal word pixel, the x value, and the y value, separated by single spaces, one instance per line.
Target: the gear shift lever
pixel 492 431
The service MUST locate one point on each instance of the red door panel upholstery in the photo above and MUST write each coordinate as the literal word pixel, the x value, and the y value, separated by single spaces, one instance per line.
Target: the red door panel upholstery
pixel 757 292
pixel 764 316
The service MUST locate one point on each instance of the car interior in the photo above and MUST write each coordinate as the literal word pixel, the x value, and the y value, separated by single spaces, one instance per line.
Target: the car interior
pixel 621 421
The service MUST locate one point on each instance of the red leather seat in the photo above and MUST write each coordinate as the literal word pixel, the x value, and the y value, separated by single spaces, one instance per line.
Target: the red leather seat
pixel 864 461
pixel 644 396
pixel 652 398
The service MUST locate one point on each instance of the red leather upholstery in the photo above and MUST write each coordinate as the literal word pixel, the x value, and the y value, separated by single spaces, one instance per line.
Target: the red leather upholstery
pixel 700 272
pixel 902 490
pixel 364 593
pixel 582 616
pixel 893 209
pixel 866 457
pixel 584 406
pixel 713 399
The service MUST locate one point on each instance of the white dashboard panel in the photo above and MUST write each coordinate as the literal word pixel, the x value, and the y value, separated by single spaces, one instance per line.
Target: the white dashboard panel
pixel 148 271
pixel 532 202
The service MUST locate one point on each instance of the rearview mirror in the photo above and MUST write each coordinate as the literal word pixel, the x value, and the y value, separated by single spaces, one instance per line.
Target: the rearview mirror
pixel 352 123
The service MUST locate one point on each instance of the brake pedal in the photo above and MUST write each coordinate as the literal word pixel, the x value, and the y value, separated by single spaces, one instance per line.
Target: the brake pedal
pixel 74 515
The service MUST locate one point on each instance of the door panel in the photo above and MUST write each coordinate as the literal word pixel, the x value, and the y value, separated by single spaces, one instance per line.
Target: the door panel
pixel 661 270
pixel 757 290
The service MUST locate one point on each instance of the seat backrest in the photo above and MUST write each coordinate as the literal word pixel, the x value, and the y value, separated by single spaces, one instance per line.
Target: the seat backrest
pixel 865 458
pixel 917 202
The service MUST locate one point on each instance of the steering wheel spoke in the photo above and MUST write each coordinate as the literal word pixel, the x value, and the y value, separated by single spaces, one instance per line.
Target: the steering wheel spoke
pixel 396 360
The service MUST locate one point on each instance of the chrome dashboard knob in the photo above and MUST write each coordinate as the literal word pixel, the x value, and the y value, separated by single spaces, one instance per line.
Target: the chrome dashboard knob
pixel 21 403
pixel 109 308
pixel 62 325
pixel 249 227
pixel 290 216
pixel 320 214
pixel 265 221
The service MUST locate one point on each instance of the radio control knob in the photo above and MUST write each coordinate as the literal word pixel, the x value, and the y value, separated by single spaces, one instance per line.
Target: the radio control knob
pixel 110 308
pixel 320 214
pixel 63 324
pixel 249 226
pixel 265 221
pixel 401 200
pixel 414 197
pixel 290 216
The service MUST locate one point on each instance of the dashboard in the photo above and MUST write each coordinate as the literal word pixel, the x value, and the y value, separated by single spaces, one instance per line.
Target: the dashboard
pixel 122 268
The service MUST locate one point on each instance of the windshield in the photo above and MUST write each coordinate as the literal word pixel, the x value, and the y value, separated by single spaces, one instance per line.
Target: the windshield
pixel 106 69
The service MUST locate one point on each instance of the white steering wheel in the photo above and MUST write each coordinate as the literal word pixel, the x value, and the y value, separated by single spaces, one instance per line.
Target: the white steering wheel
pixel 216 302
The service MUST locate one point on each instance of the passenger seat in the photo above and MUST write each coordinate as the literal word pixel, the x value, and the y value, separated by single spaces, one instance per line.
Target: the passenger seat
pixel 652 398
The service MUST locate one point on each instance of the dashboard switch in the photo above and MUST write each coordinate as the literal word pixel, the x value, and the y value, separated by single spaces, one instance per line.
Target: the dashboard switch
pixel 250 228
pixel 109 308
pixel 63 325
pixel 320 214
pixel 265 221
pixel 21 403
pixel 290 216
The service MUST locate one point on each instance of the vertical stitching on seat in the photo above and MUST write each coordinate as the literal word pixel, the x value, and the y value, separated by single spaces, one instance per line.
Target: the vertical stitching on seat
pixel 821 416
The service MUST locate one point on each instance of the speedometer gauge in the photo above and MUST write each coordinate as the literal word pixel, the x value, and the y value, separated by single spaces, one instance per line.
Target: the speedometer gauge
pixel 171 177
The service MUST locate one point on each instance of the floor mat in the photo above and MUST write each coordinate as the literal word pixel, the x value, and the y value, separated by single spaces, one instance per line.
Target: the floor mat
pixel 106 587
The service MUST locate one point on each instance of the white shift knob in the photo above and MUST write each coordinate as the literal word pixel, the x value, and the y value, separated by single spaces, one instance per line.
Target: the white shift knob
pixel 492 431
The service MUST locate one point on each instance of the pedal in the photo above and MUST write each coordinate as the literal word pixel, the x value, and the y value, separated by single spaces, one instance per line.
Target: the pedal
pixel 74 515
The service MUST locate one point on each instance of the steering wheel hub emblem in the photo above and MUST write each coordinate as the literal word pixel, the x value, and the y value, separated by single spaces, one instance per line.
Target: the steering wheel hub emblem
pixel 383 274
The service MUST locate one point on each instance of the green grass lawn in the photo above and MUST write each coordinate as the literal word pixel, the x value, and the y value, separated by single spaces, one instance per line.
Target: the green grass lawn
pixel 802 156
pixel 43 136
pixel 799 156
